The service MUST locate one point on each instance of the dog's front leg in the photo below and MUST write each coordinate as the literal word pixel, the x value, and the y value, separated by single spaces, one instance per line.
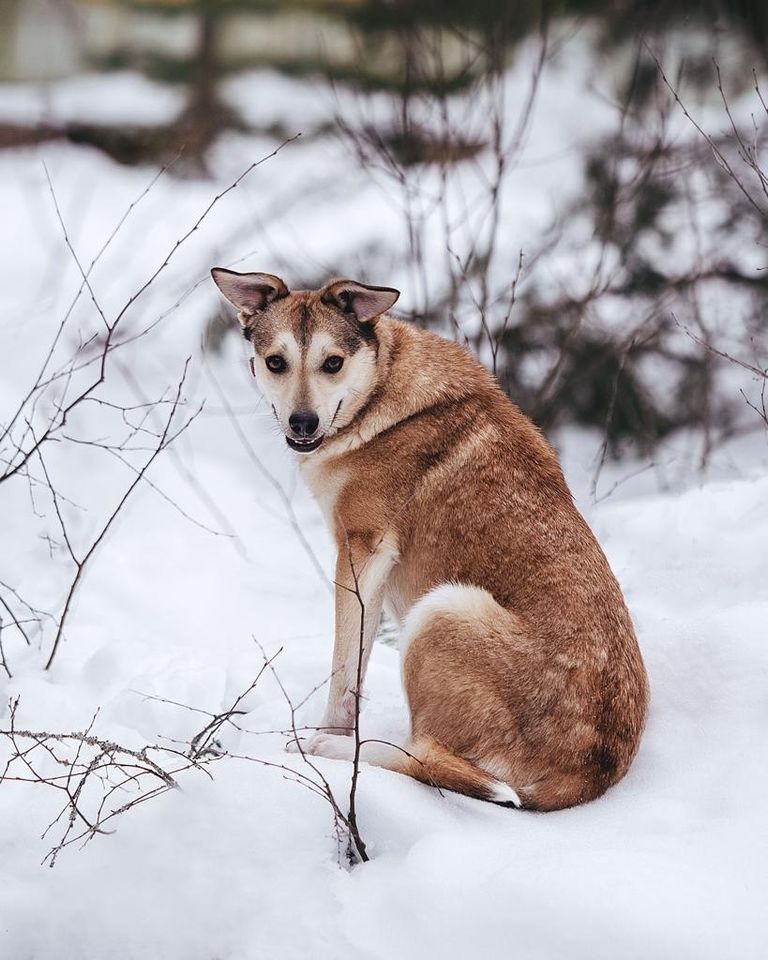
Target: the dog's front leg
pixel 361 576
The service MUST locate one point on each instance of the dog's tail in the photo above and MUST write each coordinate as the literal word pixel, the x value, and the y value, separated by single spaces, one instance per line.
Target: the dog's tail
pixel 433 763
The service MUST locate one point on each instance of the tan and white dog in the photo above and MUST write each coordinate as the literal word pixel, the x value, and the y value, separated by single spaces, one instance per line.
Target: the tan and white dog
pixel 523 675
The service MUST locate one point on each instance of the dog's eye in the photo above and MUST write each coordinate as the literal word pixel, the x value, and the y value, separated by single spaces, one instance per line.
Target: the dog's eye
pixel 333 364
pixel 276 363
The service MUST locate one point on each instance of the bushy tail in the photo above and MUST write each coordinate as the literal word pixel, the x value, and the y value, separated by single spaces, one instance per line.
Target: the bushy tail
pixel 435 764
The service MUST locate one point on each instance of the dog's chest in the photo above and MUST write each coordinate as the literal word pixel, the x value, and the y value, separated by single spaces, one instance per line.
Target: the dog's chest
pixel 325 484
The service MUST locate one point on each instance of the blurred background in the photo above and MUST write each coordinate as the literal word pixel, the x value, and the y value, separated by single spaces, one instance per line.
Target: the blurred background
pixel 524 172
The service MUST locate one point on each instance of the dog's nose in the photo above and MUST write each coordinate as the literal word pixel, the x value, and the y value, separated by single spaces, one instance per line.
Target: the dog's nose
pixel 303 424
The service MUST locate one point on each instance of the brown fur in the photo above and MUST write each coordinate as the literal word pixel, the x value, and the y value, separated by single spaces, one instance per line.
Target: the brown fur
pixel 436 478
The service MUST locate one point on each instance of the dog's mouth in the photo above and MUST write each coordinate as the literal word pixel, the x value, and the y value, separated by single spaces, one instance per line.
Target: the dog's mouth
pixel 304 446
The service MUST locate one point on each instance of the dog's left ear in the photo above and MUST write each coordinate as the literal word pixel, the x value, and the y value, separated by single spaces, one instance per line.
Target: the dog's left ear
pixel 363 302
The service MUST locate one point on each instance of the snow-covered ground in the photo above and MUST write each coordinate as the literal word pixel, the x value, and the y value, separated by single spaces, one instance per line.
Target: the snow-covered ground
pixel 669 864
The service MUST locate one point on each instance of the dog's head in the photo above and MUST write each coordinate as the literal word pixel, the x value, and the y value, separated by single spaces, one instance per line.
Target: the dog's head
pixel 315 350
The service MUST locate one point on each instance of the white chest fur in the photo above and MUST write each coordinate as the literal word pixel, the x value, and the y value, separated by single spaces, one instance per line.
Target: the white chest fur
pixel 325 483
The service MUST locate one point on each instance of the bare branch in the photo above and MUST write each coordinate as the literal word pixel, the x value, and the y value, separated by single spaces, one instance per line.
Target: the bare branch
pixel 166 438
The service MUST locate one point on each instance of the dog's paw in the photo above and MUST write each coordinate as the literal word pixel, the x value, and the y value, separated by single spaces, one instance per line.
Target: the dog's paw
pixel 330 745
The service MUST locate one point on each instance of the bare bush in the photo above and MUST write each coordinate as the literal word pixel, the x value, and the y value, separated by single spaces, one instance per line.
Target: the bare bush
pixel 54 418
pixel 100 780
pixel 603 349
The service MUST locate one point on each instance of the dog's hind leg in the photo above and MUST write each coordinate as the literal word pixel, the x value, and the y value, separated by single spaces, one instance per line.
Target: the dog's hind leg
pixel 462 656
pixel 468 664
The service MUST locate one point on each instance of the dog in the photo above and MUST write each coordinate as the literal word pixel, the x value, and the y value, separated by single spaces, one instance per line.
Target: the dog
pixel 524 679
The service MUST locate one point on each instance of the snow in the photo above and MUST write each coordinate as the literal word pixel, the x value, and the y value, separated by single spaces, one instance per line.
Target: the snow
pixel 121 97
pixel 670 863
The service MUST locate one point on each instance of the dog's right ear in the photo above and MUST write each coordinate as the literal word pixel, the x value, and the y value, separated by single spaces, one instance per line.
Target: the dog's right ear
pixel 360 300
pixel 249 292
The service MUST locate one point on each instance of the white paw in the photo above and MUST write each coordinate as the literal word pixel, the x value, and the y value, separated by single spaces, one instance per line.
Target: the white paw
pixel 329 745
pixel 332 745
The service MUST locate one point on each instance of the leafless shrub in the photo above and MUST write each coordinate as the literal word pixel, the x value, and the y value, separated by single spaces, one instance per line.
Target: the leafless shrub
pixel 52 417
pixel 99 779
pixel 593 350
pixel 206 743
pixel 345 821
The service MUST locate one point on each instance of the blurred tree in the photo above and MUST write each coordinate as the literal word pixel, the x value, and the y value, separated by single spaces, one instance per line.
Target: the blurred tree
pixel 631 351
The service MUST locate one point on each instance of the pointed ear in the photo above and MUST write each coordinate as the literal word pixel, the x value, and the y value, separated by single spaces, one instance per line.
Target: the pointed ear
pixel 358 299
pixel 249 292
